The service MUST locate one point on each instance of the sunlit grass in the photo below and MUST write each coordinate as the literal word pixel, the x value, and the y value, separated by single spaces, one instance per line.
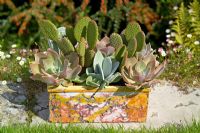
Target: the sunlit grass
pixel 192 128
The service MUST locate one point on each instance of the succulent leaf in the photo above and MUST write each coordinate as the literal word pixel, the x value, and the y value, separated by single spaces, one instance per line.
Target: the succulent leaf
pixel 104 47
pixel 98 59
pixel 103 70
pixel 107 66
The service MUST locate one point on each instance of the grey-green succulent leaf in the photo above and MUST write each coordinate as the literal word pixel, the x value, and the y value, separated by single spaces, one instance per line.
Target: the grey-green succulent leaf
pixel 103 70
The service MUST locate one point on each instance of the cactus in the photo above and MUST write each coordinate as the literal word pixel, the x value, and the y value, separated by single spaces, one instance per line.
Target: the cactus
pixel 132 47
pixel 80 49
pixel 70 34
pixel 81 28
pixel 140 37
pixel 89 56
pixel 49 30
pixel 92 34
pixel 65 45
pixel 56 35
pixel 120 53
pixel 131 30
pixel 116 40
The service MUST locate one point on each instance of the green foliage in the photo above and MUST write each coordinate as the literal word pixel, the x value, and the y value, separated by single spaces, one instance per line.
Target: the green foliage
pixel 195 17
pixel 187 23
pixel 183 69
pixel 14 64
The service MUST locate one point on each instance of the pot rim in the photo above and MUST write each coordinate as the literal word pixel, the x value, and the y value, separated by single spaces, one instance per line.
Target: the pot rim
pixel 78 88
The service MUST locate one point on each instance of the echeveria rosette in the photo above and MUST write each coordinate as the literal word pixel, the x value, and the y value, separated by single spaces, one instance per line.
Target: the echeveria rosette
pixel 104 46
pixel 141 70
pixel 53 69
pixel 103 71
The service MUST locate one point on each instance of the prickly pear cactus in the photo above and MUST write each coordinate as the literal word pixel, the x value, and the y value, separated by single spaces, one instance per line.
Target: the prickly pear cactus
pixel 140 37
pixel 80 49
pixel 92 34
pixel 116 40
pixel 70 34
pixel 49 30
pixel 131 30
pixel 120 53
pixel 81 28
pixel 65 45
pixel 89 56
pixel 132 47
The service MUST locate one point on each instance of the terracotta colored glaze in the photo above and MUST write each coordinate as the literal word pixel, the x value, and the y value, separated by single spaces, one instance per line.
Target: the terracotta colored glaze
pixel 110 105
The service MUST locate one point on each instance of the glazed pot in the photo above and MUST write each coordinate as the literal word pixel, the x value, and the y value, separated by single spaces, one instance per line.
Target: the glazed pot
pixel 109 105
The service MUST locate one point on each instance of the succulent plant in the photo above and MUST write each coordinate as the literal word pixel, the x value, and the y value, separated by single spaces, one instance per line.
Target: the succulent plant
pixel 103 71
pixel 140 70
pixel 54 69
pixel 104 46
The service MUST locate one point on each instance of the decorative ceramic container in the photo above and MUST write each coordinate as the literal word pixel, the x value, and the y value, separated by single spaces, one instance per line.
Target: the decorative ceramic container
pixel 110 105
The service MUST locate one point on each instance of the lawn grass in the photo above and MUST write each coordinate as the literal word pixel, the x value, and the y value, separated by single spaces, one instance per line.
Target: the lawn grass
pixel 192 128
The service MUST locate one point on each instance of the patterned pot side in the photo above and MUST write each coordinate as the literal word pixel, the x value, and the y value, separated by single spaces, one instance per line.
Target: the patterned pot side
pixel 111 105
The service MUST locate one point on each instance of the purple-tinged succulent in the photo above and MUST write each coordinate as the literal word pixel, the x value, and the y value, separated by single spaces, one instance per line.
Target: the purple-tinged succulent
pixel 141 70
pixel 104 46
pixel 55 69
